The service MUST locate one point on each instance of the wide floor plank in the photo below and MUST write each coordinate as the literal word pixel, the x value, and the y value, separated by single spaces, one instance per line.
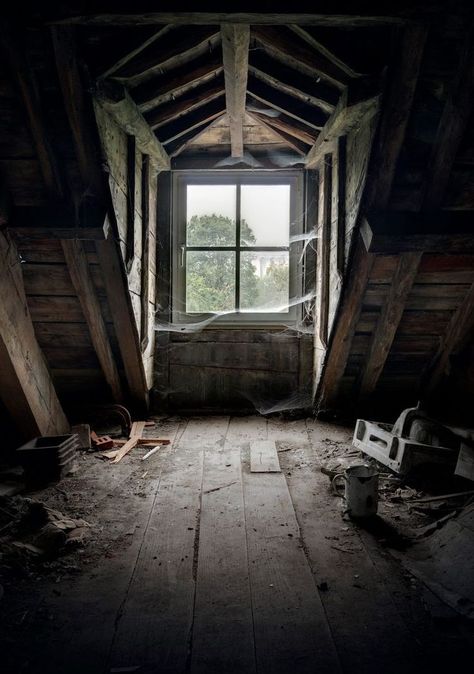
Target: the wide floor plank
pixel 291 631
pixel 223 629
pixel 264 457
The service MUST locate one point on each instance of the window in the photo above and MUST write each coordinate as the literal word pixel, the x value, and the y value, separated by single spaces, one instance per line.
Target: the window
pixel 233 250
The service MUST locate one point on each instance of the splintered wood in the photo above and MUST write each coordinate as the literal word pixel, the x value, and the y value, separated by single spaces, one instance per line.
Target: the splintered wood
pixel 264 457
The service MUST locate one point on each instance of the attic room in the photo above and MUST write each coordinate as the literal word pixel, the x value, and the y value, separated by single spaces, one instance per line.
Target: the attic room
pixel 236 338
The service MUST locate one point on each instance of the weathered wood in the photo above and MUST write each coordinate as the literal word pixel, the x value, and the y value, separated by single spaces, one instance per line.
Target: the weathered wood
pixel 24 234
pixel 389 320
pixel 437 232
pixel 397 105
pixel 79 270
pixel 293 142
pixel 194 121
pixel 223 638
pixel 67 65
pixel 264 457
pixel 118 297
pixel 452 126
pixel 293 82
pixel 324 250
pixel 235 54
pixel 341 203
pixel 28 89
pixel 132 53
pixel 358 103
pixel 188 102
pixel 311 115
pixel 115 99
pixel 135 436
pixel 285 123
pixel 177 47
pixel 396 16
pixel 295 50
pixel 321 49
pixel 285 599
pixel 167 86
pixel 344 328
pixel 26 387
pixel 460 329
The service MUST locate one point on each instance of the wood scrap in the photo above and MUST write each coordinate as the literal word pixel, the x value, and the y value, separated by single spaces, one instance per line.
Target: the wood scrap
pixel 443 497
pixel 146 441
pixel 135 435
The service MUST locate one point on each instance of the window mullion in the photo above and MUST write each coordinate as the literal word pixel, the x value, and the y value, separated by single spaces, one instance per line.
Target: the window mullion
pixel 237 251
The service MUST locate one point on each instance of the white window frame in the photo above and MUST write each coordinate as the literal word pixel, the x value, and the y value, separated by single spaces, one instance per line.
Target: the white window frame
pixel 180 181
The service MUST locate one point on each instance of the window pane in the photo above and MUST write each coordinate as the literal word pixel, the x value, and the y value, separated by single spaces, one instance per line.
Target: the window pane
pixel 210 215
pixel 210 281
pixel 265 214
pixel 264 281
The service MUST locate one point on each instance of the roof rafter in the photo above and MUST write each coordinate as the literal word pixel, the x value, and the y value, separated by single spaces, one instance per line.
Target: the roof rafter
pixel 297 51
pixel 132 53
pixel 184 104
pixel 206 113
pixel 176 48
pixel 167 86
pixel 289 125
pixel 316 44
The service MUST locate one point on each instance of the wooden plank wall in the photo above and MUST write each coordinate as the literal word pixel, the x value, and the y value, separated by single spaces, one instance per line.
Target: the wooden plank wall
pixel 440 286
pixel 133 186
pixel 247 369
pixel 342 176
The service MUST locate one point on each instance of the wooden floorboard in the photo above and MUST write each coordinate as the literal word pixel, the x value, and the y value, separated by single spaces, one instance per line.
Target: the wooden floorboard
pixel 291 631
pixel 264 457
pixel 364 621
pixel 223 629
pixel 154 627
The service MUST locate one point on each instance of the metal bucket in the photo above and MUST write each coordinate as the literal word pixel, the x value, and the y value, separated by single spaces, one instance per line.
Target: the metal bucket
pixel 360 490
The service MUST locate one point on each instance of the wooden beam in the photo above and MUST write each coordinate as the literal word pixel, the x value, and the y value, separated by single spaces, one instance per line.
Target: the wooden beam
pixel 286 123
pixel 293 82
pixel 389 320
pixel 436 232
pixel 25 384
pixel 460 329
pixel 194 120
pixel 358 103
pixel 294 107
pixel 297 51
pixel 132 53
pixel 23 76
pixel 118 297
pixel 235 54
pixel 344 327
pixel 324 250
pixel 78 268
pixel 182 105
pixel 396 107
pixel 115 99
pixel 166 87
pixel 451 128
pixel 177 146
pixel 64 44
pixel 293 142
pixel 22 233
pixel 321 49
pixel 328 16
pixel 178 47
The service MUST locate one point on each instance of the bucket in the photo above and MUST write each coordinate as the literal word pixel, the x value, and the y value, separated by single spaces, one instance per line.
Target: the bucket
pixel 360 490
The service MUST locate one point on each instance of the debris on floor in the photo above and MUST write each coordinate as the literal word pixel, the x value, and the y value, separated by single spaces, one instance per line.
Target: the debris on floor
pixel 32 529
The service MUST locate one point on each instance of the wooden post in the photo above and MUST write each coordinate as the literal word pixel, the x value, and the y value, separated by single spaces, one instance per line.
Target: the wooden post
pixel 235 52
pixel 79 271
pixel 26 386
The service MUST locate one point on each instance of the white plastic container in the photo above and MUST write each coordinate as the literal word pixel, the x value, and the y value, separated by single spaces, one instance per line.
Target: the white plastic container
pixel 361 484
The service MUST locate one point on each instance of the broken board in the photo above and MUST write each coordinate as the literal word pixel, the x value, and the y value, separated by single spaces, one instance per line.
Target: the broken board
pixel 264 457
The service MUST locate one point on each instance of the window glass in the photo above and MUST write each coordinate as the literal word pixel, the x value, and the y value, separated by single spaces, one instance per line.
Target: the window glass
pixel 265 214
pixel 210 281
pixel 210 215
pixel 264 281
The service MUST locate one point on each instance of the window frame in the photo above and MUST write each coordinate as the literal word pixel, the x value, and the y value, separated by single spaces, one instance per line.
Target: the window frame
pixel 239 177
